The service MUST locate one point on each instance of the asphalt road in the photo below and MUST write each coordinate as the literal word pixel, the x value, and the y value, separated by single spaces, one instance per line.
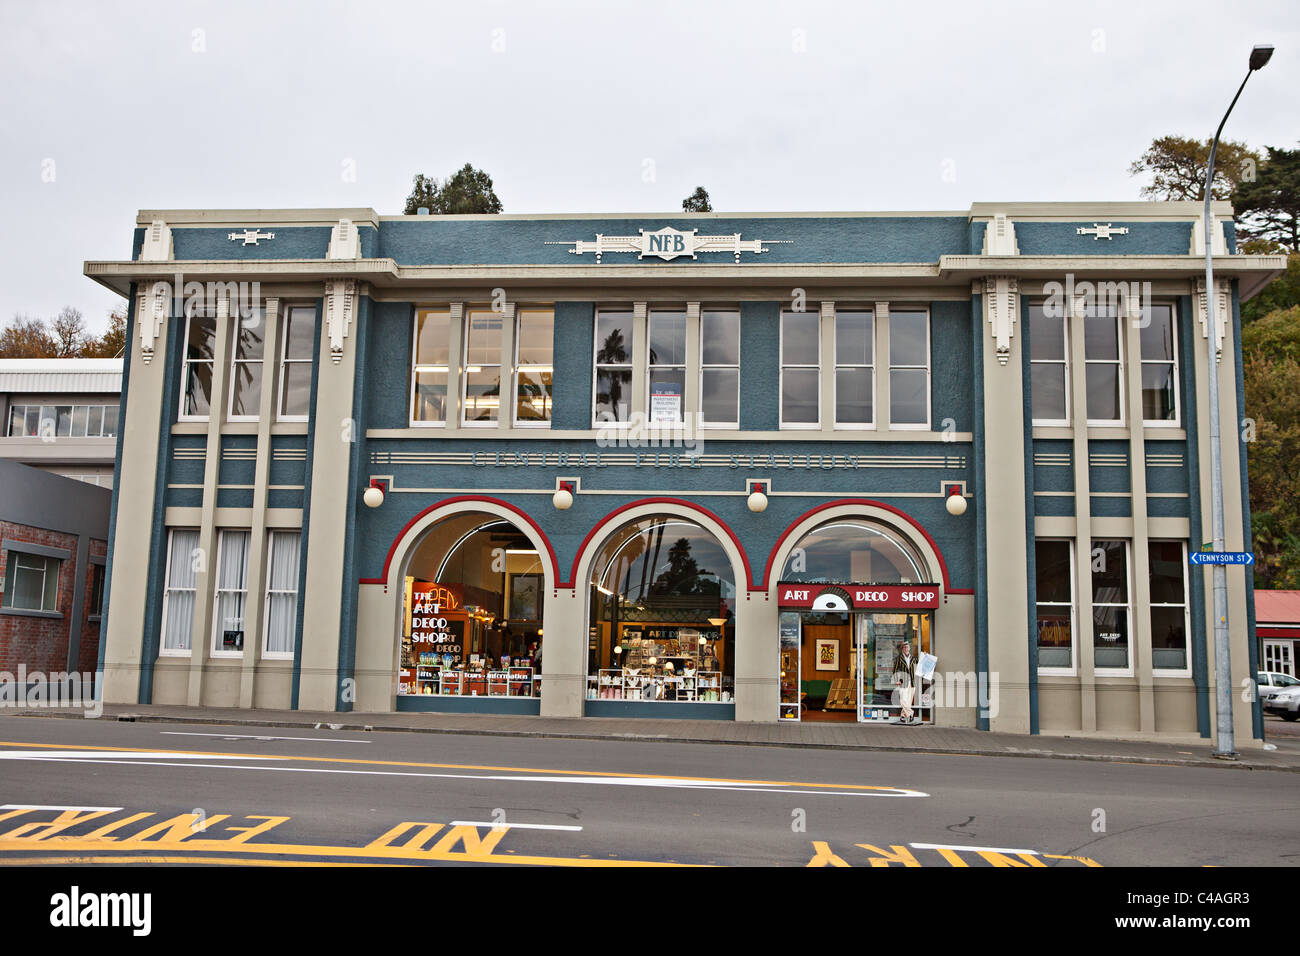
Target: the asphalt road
pixel 100 791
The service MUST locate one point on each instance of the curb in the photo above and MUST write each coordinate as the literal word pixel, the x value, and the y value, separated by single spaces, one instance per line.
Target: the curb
pixel 127 717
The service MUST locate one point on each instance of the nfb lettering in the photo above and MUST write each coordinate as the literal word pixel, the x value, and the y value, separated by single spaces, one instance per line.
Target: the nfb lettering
pixel 662 243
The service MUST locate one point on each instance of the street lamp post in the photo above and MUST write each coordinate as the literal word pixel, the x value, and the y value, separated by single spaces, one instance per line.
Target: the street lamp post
pixel 1223 745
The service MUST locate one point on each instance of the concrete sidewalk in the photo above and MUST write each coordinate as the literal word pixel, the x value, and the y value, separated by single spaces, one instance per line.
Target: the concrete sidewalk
pixel 1193 752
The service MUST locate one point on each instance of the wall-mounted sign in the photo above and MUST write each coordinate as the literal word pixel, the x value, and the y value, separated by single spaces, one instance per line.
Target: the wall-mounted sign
pixel 665 403
pixel 669 243
pixel 858 597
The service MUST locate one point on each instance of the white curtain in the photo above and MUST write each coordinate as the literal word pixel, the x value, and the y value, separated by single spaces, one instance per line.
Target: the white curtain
pixel 232 582
pixel 282 589
pixel 181 575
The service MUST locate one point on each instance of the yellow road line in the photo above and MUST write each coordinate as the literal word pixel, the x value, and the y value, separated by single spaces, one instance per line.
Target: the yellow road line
pixel 155 860
pixel 442 766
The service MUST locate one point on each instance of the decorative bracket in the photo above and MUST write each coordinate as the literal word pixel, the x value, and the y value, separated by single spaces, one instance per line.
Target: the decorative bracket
pixel 1221 307
pixel 152 309
pixel 1000 304
pixel 340 306
pixel 882 312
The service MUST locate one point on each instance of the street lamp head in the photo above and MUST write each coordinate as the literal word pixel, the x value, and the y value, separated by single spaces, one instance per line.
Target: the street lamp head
pixel 1260 55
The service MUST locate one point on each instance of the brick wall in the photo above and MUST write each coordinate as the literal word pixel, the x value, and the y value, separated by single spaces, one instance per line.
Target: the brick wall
pixel 39 642
pixel 88 657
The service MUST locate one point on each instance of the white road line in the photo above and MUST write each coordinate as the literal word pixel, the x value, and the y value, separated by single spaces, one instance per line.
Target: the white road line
pixel 513 826
pixel 96 757
pixel 90 755
pixel 333 740
pixel 37 806
pixel 973 849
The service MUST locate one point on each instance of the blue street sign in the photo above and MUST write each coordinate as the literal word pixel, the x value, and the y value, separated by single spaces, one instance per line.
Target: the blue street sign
pixel 1222 557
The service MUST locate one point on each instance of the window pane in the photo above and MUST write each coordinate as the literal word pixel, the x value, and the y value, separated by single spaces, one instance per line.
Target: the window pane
pixel 1046 335
pixel 250 336
pixel 202 342
pixel 431 396
pixel 302 330
pixel 297 388
pixel 853 338
pixel 908 338
pixel 800 334
pixel 1055 636
pixel 1110 636
pixel 533 399
pixel 536 338
pixel 49 423
pixel 95 420
pixel 1166 572
pixel 1168 638
pixel 1052 571
pixel 1100 338
pixel 613 395
pixel 198 388
pixel 799 395
pixel 853 398
pixel 1048 391
pixel 482 395
pixel 614 338
pixel 26 584
pixel 65 421
pixel 433 338
pixel 247 387
pixel 1103 392
pixel 720 338
pixel 909 396
pixel 667 338
pixel 50 600
pixel 1157 392
pixel 721 395
pixel 33 423
pixel 483 346
pixel 110 421
pixel 79 415
pixel 667 386
pixel 16 416
pixel 1158 336
pixel 1109 573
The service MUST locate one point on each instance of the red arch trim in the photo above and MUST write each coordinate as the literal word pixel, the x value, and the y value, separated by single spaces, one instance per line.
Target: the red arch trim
pixel 681 503
pixel 392 548
pixel 859 502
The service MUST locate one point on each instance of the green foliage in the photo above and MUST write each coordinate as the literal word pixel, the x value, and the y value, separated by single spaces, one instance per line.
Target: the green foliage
pixel 467 191
pixel 1273 401
pixel 697 201
pixel 1282 293
pixel 1275 337
pixel 1177 167
pixel 1268 209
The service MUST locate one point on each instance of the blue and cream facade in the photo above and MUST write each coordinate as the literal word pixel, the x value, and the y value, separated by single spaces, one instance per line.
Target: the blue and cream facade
pixel 856 371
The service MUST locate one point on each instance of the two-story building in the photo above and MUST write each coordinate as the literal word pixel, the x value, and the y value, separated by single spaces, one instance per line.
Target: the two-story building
pixel 703 465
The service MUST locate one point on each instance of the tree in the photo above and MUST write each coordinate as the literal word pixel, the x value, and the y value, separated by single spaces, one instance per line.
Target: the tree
pixel 1282 293
pixel 1268 208
pixel 697 201
pixel 69 333
pixel 466 191
pixel 1273 401
pixel 27 338
pixel 112 344
pixel 1177 168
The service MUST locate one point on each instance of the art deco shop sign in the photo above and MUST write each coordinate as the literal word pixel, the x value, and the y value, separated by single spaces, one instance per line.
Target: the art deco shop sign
pixel 668 243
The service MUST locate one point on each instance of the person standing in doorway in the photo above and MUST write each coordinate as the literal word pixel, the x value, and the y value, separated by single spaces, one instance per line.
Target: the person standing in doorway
pixel 905 680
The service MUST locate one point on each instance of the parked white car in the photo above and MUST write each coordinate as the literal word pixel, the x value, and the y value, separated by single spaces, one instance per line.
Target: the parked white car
pixel 1269 681
pixel 1283 701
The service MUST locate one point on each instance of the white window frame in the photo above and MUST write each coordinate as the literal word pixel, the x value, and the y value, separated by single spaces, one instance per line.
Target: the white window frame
pixel 1073 669
pixel 22 407
pixel 630 365
pixel 186 362
pixel 929 376
pixel 502 378
pixel 835 378
pixel 1127 670
pixel 163 649
pixel 216 650
pixel 517 367
pixel 269 655
pixel 282 383
pixel 716 366
pixel 15 554
pixel 235 361
pixel 664 366
pixel 416 368
pixel 1118 362
pixel 1177 420
pixel 1185 671
pixel 780 357
pixel 1064 362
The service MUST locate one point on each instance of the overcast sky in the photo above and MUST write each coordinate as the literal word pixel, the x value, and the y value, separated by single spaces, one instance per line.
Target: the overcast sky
pixel 107 108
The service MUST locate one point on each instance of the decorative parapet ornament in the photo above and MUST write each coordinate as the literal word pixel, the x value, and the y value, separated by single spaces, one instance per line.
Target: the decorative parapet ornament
pixel 669 243
pixel 340 306
pixel 153 301
pixel 157 246
pixel 1000 307
pixel 1098 231
pixel 1222 304
pixel 251 237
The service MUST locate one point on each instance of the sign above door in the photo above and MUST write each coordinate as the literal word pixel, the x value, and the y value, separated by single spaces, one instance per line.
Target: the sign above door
pixel 858 597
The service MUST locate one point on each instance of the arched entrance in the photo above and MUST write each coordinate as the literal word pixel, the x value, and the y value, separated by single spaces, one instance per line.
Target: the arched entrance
pixel 469 632
pixel 856 625
pixel 661 622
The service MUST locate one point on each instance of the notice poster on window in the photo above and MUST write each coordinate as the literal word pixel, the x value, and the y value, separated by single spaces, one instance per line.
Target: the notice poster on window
pixel 665 403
